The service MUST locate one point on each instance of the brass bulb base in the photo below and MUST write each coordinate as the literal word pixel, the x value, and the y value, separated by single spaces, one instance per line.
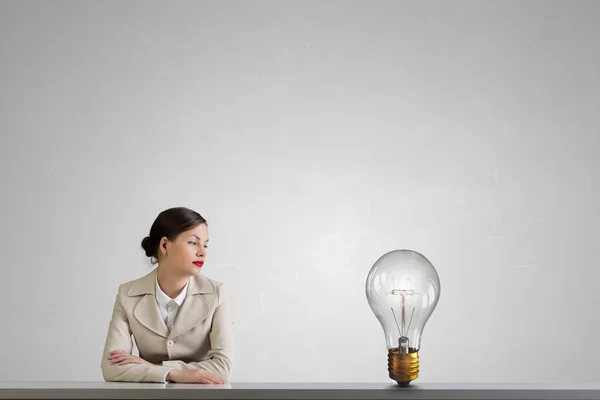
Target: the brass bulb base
pixel 403 368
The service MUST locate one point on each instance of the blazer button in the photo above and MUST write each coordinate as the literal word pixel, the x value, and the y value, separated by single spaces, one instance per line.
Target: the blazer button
pixel 170 343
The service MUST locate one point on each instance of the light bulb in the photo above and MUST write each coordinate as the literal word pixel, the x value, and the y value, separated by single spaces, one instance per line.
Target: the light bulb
pixel 403 289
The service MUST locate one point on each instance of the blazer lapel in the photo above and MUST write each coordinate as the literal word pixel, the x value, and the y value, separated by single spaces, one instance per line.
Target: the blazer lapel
pixel 146 310
pixel 195 308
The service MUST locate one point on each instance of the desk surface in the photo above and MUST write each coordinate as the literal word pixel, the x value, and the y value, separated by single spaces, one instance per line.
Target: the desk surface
pixel 325 391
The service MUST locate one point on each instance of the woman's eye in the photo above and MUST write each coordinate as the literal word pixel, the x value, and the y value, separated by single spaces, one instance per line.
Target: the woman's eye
pixel 192 243
pixel 205 246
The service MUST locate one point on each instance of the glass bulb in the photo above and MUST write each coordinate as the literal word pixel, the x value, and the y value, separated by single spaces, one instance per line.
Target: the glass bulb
pixel 403 289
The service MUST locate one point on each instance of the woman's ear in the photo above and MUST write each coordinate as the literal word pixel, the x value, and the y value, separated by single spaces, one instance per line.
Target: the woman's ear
pixel 162 246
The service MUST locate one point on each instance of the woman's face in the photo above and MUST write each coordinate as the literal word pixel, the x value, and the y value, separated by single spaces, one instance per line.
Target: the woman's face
pixel 185 255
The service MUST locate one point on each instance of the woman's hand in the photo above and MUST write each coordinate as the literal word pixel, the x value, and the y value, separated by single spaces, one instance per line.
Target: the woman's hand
pixel 123 358
pixel 193 376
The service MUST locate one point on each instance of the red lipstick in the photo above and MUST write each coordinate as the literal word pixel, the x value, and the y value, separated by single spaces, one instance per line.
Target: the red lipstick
pixel 198 263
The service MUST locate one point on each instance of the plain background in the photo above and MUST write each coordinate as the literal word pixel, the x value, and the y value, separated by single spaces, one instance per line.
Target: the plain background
pixel 314 136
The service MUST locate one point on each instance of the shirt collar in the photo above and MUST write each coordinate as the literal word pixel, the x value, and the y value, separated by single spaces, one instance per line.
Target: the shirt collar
pixel 163 299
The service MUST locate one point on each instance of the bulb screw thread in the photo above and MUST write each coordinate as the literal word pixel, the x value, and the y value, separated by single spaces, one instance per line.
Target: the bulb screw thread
pixel 403 368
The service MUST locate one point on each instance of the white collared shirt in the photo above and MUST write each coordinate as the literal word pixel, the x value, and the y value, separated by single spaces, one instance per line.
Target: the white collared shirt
pixel 168 307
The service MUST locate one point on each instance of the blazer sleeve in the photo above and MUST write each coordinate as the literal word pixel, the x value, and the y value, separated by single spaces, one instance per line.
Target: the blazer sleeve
pixel 220 355
pixel 119 338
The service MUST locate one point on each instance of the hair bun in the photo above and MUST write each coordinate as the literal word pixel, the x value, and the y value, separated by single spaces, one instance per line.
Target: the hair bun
pixel 146 246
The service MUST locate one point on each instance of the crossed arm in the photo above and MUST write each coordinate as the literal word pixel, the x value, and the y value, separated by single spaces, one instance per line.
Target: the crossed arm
pixel 118 364
pixel 198 375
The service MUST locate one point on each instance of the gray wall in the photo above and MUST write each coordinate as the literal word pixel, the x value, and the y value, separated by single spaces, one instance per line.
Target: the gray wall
pixel 314 137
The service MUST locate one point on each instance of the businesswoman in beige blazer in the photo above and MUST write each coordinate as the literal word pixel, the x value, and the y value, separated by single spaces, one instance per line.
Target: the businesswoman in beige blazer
pixel 179 318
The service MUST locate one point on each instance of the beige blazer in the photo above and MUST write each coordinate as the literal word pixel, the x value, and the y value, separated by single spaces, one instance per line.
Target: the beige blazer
pixel 201 336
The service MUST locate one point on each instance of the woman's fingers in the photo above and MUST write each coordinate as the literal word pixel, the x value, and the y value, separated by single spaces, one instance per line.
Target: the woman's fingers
pixel 117 353
pixel 117 359
pixel 131 360
pixel 215 378
pixel 212 377
pixel 123 358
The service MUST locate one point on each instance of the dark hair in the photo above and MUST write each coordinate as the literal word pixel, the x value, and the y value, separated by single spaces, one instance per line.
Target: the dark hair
pixel 170 223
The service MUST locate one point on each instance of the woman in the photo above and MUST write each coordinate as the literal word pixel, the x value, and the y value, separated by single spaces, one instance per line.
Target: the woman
pixel 180 319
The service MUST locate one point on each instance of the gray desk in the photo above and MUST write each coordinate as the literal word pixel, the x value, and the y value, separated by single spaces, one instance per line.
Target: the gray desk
pixel 334 391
